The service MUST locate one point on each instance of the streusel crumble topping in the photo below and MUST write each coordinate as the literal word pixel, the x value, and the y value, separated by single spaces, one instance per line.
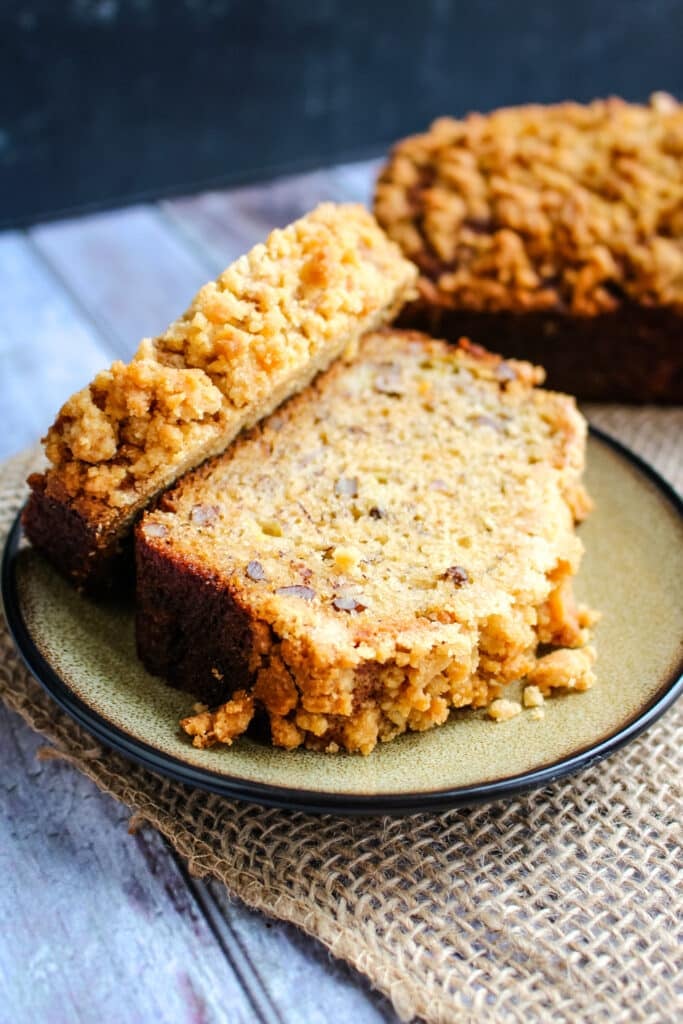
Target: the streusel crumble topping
pixel 568 208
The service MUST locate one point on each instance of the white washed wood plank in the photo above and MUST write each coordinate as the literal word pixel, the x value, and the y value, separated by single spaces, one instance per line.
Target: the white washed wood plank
pixel 97 924
pixel 126 268
pixel 303 980
pixel 227 223
pixel 356 181
pixel 47 348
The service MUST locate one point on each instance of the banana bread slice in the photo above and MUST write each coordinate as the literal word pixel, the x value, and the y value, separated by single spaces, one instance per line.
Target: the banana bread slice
pixel 556 230
pixel 393 542
pixel 249 340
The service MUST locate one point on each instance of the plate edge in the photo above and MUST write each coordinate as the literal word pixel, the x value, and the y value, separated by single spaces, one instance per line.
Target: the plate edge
pixel 313 801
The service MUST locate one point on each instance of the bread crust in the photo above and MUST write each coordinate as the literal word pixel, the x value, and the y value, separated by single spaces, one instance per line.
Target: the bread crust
pixel 631 355
pixel 190 628
pixel 74 542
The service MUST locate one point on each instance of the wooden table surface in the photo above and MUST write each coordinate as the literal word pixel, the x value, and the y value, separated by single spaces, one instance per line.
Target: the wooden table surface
pixel 96 924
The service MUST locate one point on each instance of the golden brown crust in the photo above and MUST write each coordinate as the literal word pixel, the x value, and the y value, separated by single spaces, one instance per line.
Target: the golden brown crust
pixel 392 543
pixel 569 208
pixel 248 340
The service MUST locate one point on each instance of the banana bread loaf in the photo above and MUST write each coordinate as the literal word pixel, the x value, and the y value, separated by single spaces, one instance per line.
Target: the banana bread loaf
pixel 556 230
pixel 393 542
pixel 250 339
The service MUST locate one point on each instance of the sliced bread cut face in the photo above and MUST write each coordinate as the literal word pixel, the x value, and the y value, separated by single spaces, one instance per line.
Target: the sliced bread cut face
pixel 394 542
pixel 248 341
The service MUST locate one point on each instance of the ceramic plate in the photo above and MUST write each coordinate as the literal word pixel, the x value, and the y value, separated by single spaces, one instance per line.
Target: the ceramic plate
pixel 84 655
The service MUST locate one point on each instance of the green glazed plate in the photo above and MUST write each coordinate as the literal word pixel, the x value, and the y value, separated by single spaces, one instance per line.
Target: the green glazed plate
pixel 83 653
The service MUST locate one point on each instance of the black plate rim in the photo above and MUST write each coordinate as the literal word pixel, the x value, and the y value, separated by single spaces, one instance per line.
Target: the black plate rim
pixel 315 801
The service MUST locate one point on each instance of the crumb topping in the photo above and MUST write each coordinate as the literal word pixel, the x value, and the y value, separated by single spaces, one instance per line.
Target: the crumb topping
pixel 250 337
pixel 532 697
pixel 572 208
pixel 503 710
pixel 569 669
pixel 130 419
pixel 221 725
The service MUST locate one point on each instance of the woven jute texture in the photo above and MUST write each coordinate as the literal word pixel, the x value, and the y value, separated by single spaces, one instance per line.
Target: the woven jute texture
pixel 559 906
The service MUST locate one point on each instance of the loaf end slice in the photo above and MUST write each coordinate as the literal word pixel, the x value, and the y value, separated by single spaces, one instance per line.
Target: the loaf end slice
pixel 249 340
pixel 394 542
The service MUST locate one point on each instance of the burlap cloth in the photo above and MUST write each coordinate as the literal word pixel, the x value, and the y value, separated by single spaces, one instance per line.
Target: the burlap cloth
pixel 561 905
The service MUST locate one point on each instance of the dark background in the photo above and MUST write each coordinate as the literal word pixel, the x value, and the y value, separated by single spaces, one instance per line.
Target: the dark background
pixel 106 101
